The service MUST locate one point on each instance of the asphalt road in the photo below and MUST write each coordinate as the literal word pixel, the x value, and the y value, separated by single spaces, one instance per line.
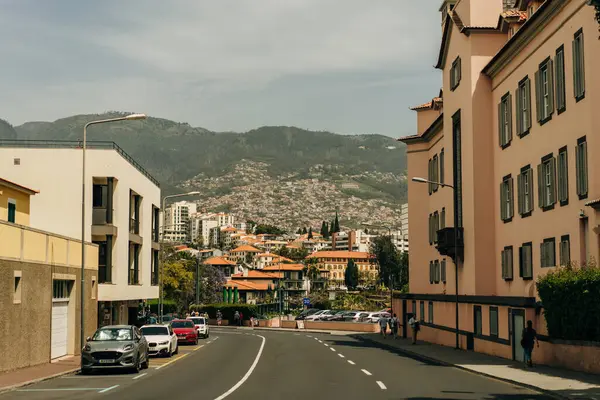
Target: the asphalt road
pixel 245 364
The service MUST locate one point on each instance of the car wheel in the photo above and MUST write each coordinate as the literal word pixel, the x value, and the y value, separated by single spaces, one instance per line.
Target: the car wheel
pixel 176 349
pixel 137 366
pixel 146 362
pixel 170 352
pixel 196 341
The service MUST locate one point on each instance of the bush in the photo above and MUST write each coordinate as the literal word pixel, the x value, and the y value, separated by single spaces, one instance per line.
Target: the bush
pixel 228 310
pixel 169 307
pixel 570 300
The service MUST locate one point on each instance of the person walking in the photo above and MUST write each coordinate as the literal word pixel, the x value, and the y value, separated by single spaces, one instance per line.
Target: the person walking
pixel 394 323
pixel 528 340
pixel 236 317
pixel 241 318
pixel 219 317
pixel 383 322
pixel 414 326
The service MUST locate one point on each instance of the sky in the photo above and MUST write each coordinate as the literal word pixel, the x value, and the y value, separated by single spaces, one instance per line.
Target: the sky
pixel 345 66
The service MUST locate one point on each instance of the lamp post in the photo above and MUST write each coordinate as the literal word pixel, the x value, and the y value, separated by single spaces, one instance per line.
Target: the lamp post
pixel 423 180
pixel 162 249
pixel 130 117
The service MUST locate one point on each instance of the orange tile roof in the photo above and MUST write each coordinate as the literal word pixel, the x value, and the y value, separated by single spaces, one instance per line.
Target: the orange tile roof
pixel 284 267
pixel 437 101
pixel 229 229
pixel 514 13
pixel 18 187
pixel 181 247
pixel 247 286
pixel 216 260
pixel 340 254
pixel 256 274
pixel 246 248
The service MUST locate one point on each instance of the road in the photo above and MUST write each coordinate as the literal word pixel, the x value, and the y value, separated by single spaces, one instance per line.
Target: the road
pixel 246 364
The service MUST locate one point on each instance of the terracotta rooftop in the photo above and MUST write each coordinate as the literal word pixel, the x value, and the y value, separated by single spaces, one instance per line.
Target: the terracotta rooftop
pixel 216 260
pixel 247 286
pixel 340 254
pixel 521 16
pixel 246 248
pixel 435 102
pixel 16 186
pixel 255 274
pixel 284 267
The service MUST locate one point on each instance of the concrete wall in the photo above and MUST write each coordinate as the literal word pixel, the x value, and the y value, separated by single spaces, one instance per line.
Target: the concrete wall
pixel 341 326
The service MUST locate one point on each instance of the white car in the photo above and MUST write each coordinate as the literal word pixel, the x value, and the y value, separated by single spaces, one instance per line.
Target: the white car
pixel 201 326
pixel 162 341
pixel 376 316
pixel 316 316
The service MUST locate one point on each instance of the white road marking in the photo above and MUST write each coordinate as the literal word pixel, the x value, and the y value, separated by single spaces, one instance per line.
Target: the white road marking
pixel 198 348
pixel 351 362
pixel 139 376
pixel 59 390
pixel 245 377
pixel 381 385
pixel 172 361
pixel 320 341
pixel 308 336
pixel 326 345
pixel 341 355
pixel 366 372
pixel 107 389
pixel 332 349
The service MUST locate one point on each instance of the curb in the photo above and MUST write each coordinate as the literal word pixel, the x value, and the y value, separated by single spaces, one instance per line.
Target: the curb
pixel 276 329
pixel 38 380
pixel 423 358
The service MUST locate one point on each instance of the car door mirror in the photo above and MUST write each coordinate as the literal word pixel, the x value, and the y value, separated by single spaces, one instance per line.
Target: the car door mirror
pixel 88 339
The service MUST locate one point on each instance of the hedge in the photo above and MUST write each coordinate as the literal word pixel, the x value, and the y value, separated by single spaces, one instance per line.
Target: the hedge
pixel 570 300
pixel 169 307
pixel 228 310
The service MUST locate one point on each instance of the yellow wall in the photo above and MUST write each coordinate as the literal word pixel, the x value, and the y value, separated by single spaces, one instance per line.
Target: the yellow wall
pixel 22 200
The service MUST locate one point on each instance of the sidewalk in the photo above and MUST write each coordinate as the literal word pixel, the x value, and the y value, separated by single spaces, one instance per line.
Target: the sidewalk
pixel 560 383
pixel 30 375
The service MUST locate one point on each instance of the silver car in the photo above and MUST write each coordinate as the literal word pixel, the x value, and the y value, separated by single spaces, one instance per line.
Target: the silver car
pixel 115 346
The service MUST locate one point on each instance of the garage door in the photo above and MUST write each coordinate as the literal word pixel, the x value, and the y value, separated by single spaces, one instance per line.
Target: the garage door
pixel 59 329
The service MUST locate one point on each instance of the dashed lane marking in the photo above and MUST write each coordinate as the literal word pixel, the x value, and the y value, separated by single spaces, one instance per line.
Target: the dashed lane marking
pixel 172 361
pixel 108 389
pixel 381 385
pixel 332 349
pixel 366 372
pixel 341 355
pixel 351 362
pixel 326 345
pixel 139 376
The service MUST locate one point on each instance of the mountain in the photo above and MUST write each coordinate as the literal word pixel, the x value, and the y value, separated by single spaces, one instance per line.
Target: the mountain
pixel 363 167
pixel 7 131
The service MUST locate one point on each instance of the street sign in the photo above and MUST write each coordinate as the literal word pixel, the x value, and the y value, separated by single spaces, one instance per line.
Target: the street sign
pixel 306 301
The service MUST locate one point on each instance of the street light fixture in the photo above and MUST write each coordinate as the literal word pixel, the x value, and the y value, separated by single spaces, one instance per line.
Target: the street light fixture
pixel 423 180
pixel 130 117
pixel 162 250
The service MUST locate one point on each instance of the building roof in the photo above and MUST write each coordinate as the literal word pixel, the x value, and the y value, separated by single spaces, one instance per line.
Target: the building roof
pixel 284 267
pixel 246 248
pixel 256 274
pixel 217 260
pixel 434 104
pixel 518 15
pixel 340 254
pixel 18 187
pixel 435 127
pixel 229 229
pixel 247 286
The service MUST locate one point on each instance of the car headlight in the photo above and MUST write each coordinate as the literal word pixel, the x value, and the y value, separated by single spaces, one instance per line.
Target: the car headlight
pixel 87 347
pixel 128 347
pixel 165 342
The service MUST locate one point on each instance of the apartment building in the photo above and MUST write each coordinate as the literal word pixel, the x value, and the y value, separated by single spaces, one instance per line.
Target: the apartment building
pixel 294 281
pixel 177 227
pixel 344 241
pixel 40 285
pixel 333 264
pixel 122 213
pixel 512 132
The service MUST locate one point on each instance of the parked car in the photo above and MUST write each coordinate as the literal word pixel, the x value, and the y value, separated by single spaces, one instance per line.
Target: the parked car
pixel 326 315
pixel 306 313
pixel 355 316
pixel 315 316
pixel 202 328
pixel 162 341
pixel 185 331
pixel 338 316
pixel 376 316
pixel 115 346
pixel 166 319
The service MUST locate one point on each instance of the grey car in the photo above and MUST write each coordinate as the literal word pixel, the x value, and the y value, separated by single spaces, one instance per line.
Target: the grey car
pixel 115 346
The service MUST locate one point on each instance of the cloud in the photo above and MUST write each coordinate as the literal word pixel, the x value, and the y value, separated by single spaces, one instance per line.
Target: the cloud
pixel 225 65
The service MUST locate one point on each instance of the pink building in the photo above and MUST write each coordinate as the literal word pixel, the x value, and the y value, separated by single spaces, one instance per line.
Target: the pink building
pixel 512 132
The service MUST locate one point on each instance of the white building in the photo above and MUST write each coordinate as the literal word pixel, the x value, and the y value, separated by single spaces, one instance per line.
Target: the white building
pixel 401 235
pixel 121 214
pixel 200 226
pixel 177 221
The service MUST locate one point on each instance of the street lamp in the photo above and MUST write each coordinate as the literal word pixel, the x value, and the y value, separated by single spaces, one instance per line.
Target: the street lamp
pixel 423 180
pixel 162 250
pixel 130 117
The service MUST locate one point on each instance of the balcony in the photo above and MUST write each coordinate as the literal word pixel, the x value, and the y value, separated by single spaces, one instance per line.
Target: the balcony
pixel 134 231
pixel 133 277
pixel 450 241
pixel 100 224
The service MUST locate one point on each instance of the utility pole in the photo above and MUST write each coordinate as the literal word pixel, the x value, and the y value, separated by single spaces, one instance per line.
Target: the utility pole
pixel 197 280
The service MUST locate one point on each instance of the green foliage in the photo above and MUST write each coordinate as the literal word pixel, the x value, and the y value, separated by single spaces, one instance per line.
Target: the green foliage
pixel 304 231
pixel 336 227
pixel 169 306
pixel 351 275
pixel 354 301
pixel 570 299
pixel 320 299
pixel 392 263
pixel 310 234
pixel 268 229
pixel 228 310
pixel 178 277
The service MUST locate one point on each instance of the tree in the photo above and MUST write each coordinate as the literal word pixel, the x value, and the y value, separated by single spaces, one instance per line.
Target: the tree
pixel 304 231
pixel 332 228
pixel 351 275
pixel 323 229
pixel 283 251
pixel 366 231
pixel 210 284
pixel 299 232
pixel 391 262
pixel 326 230
pixel 178 277
pixel 310 234
pixel 337 223
pixel 268 229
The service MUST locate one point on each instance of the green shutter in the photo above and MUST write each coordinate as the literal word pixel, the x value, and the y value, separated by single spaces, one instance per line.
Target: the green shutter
pixel 538 96
pixel 543 254
pixel 541 196
pixel 500 124
pixel 519 108
pixel 551 86
pixel 584 169
pixel 552 166
pixel 511 198
pixel 581 67
pixel 531 197
pixel 528 103
pixel 510 121
pixel 520 194
pixel 502 200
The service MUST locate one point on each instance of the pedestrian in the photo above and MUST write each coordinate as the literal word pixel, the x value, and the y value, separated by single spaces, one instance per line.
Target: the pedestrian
pixel 236 317
pixel 219 317
pixel 528 339
pixel 394 323
pixel 241 318
pixel 414 326
pixel 383 326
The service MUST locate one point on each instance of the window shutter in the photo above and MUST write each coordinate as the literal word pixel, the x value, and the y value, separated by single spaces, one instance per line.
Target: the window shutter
pixel 429 177
pixel 567 252
pixel 502 202
pixel 520 194
pixel 503 263
pixel 584 169
pixel 511 198
pixel 538 96
pixel 531 197
pixel 459 71
pixel 519 108
pixel 430 271
pixel 510 121
pixel 521 261
pixel 581 67
pixel 551 86
pixel 541 196
pixel 528 261
pixel 500 124
pixel 528 102
pixel 543 254
pixel 509 263
pixel 444 271
pixel 552 166
pixel 578 168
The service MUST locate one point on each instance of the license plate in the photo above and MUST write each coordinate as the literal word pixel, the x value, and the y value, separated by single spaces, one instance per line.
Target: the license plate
pixel 107 361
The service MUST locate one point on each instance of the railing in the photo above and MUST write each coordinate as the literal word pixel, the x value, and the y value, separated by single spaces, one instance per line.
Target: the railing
pixel 77 144
pixel 102 274
pixel 133 277
pixel 99 215
pixel 134 226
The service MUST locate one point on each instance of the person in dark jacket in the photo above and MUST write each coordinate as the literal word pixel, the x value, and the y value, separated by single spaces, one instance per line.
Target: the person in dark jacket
pixel 528 340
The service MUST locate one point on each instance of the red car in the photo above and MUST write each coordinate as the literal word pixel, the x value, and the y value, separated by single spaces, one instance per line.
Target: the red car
pixel 185 331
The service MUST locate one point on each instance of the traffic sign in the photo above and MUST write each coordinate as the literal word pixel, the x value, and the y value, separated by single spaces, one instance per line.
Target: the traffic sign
pixel 306 301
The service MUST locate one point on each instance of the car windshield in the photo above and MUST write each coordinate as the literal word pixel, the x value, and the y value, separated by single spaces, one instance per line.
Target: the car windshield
pixel 198 321
pixel 112 334
pixel 154 330
pixel 182 324
pixel 340 313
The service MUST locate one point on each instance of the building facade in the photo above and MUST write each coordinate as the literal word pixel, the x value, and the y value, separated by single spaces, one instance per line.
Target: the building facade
pixel 334 263
pixel 511 133
pixel 178 228
pixel 40 285
pixel 122 214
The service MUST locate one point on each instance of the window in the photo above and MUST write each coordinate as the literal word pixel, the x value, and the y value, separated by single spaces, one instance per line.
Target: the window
pixel 455 74
pixel 526 261
pixel 505 120
pixel 581 168
pixel 422 310
pixel 443 271
pixel 414 308
pixel 155 264
pixel 436 271
pixel 494 321
pixel 565 250
pixel 547 182
pixel 442 174
pixel 443 218
pixel 525 183
pixel 12 210
pixel 578 66
pixel 507 263
pixel 544 91
pixel 430 176
pixel 435 172
pixel 18 287
pixel 506 199
pixel 99 195
pixel 477 323
pixel 563 177
pixel 548 253
pixel 134 277
pixel 16 161
pixel 430 228
pixel 561 96
pixel 61 289
pixel 524 107
pixel 430 320
pixel 530 11
pixel 93 288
